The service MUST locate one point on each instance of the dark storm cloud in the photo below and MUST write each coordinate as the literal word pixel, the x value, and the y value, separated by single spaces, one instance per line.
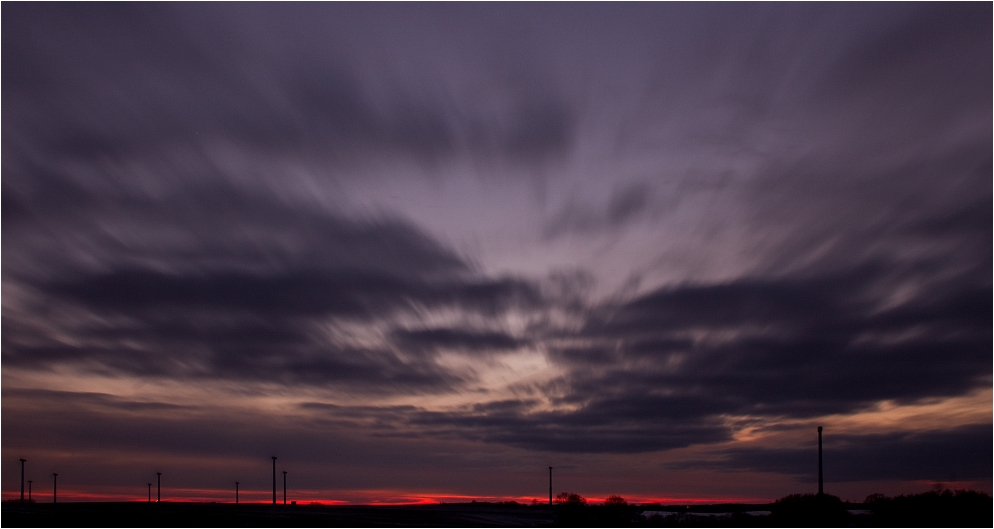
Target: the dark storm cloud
pixel 625 204
pixel 221 282
pixel 638 379
pixel 618 426
pixel 203 227
pixel 962 453
pixel 794 346
pixel 263 328
pixel 926 51
pixel 146 234
pixel 348 293
pixel 432 339
pixel 158 77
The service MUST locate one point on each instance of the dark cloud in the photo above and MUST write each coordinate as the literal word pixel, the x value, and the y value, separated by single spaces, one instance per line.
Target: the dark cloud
pixel 961 453
pixel 218 282
pixel 233 326
pixel 625 205
pixel 610 426
pixel 927 51
pixel 434 339
pixel 197 193
pixel 794 346
pixel 164 81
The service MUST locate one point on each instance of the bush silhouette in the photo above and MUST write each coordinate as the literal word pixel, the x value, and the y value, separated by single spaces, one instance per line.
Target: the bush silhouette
pixel 809 510
pixel 571 510
pixel 570 499
pixel 961 508
pixel 615 512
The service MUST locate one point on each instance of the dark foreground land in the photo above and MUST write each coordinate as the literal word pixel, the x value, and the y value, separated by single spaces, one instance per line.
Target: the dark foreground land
pixel 960 509
pixel 260 515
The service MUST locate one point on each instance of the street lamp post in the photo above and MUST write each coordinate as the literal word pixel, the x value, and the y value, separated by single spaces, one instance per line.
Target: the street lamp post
pixel 274 480
pixel 22 480
pixel 821 483
pixel 550 485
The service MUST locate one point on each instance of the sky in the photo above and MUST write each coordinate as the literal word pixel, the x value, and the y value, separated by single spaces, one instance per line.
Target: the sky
pixel 423 252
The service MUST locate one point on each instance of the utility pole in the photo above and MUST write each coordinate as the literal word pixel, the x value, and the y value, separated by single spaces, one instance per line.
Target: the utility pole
pixel 55 487
pixel 274 480
pixel 236 493
pixel 29 491
pixel 22 480
pixel 821 483
pixel 158 487
pixel 150 493
pixel 550 486
pixel 284 487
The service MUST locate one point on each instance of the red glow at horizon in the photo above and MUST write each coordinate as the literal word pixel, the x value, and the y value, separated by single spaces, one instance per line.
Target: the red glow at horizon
pixel 360 497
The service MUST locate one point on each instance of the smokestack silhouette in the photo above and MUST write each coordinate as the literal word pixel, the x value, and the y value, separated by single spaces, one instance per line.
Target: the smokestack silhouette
pixel 150 493
pixel 284 487
pixel 22 480
pixel 55 487
pixel 550 485
pixel 821 483
pixel 158 487
pixel 274 480
pixel 236 493
pixel 29 491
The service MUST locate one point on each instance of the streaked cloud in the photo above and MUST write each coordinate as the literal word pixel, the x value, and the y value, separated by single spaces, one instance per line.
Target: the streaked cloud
pixel 641 238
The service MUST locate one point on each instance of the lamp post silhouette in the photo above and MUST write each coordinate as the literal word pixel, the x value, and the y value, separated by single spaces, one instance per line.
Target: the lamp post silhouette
pixel 550 485
pixel 821 483
pixel 22 480
pixel 158 487
pixel 29 491
pixel 284 487
pixel 55 487
pixel 150 493
pixel 274 480
pixel 236 493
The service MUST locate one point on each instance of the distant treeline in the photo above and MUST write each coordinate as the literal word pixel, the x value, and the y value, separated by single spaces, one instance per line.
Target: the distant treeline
pixel 946 508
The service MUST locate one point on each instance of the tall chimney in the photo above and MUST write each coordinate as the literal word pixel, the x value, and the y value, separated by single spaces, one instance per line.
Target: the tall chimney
pixel 550 485
pixel 22 480
pixel 274 480
pixel 821 483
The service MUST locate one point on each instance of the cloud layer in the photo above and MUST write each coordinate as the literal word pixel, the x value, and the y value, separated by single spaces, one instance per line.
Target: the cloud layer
pixel 557 230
